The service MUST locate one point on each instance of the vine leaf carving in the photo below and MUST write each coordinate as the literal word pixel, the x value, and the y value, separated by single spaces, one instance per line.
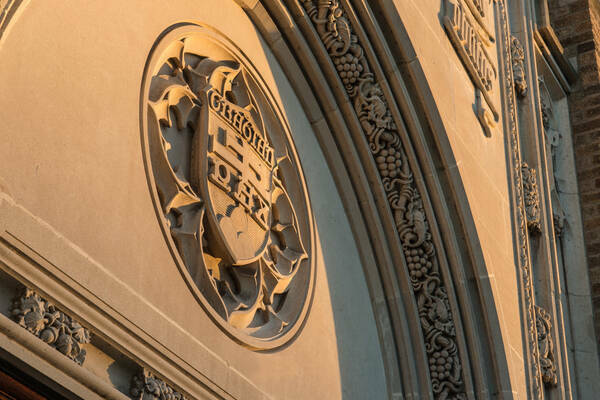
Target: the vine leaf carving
pixel 375 117
pixel 52 326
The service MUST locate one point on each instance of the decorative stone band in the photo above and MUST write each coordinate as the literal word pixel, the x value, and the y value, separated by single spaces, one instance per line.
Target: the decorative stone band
pixel 531 198
pixel 146 386
pixel 545 345
pixel 465 37
pixel 52 326
pixel 429 289
pixel 519 204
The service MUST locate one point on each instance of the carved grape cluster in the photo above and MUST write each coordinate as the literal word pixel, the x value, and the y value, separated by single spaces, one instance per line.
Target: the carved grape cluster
pixel 348 67
pixel 382 134
pixel 440 364
pixel 52 326
pixel 389 162
pixel 418 263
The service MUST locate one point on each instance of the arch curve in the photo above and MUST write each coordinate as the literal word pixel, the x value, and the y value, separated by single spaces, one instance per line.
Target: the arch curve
pixel 414 326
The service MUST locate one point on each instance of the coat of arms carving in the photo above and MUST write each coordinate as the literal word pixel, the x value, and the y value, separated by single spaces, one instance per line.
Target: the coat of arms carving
pixel 228 184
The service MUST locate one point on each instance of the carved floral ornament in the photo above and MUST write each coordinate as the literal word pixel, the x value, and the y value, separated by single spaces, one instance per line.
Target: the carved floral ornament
pixel 52 326
pixel 543 322
pixel 228 188
pixel 146 386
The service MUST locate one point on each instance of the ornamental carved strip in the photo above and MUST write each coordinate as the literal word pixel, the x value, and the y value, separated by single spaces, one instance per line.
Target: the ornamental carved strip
pixel 146 386
pixel 522 235
pixel 429 288
pixel 44 320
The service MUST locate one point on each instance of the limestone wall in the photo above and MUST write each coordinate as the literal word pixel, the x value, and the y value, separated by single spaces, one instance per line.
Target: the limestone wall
pixel 73 164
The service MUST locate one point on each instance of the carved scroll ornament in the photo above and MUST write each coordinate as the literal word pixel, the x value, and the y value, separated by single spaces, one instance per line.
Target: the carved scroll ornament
pixel 223 165
pixel 52 326
pixel 373 112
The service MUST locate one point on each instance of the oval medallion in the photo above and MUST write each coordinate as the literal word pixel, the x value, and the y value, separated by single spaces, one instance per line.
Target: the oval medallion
pixel 227 185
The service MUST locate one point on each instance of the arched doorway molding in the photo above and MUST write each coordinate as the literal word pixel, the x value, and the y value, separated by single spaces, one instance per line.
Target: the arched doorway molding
pixel 295 31
pixel 292 34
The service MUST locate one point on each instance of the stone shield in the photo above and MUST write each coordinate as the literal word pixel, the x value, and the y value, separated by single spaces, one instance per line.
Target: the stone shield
pixel 235 166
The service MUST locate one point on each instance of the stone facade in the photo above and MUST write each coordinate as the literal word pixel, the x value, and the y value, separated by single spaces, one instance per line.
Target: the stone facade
pixel 242 199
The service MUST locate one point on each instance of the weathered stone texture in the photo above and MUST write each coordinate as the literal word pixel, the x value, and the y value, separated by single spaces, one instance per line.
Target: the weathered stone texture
pixel 577 24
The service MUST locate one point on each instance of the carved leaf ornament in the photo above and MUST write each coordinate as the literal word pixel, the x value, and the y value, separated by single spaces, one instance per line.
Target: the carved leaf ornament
pixel 146 386
pixel 223 168
pixel 52 326
pixel 436 319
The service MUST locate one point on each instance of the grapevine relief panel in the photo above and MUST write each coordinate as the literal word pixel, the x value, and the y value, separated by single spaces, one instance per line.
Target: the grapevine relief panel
pixel 373 112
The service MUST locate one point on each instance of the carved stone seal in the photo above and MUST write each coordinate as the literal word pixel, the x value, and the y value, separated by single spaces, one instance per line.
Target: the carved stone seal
pixel 227 185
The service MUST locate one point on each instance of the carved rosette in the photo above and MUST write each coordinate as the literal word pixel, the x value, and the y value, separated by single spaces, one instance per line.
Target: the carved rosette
pixel 531 198
pixel 518 66
pixel 545 345
pixel 228 186
pixel 428 286
pixel 52 326
pixel 146 386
